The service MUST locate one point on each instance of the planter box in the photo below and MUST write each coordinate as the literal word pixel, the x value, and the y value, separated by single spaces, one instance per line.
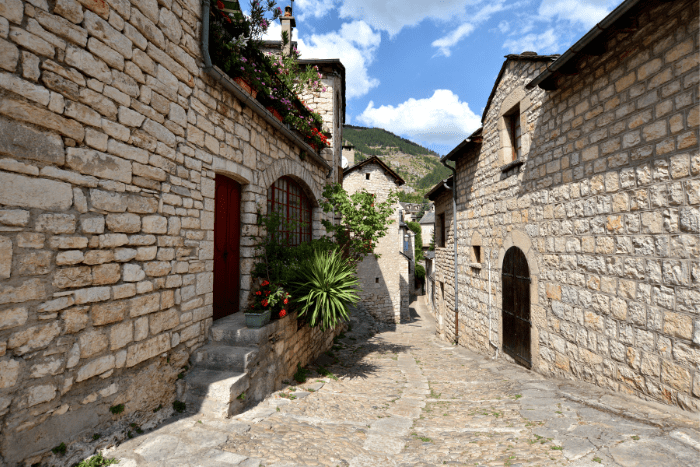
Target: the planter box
pixel 257 320
pixel 275 113
pixel 246 86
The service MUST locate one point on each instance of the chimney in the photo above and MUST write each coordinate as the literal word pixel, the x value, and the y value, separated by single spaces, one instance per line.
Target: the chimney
pixel 288 25
pixel 349 154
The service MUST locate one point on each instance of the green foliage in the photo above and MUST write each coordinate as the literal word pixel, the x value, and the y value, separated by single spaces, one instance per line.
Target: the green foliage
pixel 300 375
pixel 60 449
pixel 438 174
pixel 277 260
pixel 96 436
pixel 362 138
pixel 431 247
pixel 326 285
pixel 117 409
pixel 363 221
pixel 179 407
pixel 410 197
pixel 418 247
pixel 97 461
pixel 420 272
pixel 324 372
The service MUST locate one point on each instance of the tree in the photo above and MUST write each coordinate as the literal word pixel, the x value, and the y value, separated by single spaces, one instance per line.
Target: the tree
pixel 363 220
pixel 418 247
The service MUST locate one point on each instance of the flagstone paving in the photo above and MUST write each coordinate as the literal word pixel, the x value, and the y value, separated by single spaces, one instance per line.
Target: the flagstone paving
pixel 404 398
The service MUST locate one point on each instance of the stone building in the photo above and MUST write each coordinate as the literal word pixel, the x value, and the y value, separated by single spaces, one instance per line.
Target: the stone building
pixel 578 211
pixel 131 175
pixel 427 227
pixel 387 282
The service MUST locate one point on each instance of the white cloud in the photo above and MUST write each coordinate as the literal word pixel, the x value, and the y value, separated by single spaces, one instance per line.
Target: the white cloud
pixel 393 15
pixel 438 120
pixel 312 8
pixel 504 26
pixel 585 12
pixel 544 43
pixel 556 25
pixel 445 43
pixel 274 32
pixel 355 44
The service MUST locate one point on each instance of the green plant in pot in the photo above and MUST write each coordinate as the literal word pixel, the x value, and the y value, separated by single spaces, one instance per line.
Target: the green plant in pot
pixel 267 300
pixel 326 285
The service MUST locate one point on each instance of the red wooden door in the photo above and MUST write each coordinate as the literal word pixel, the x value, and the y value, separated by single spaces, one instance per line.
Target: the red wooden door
pixel 227 242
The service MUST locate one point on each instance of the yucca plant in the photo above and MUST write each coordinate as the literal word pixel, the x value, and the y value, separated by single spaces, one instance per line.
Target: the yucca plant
pixel 326 284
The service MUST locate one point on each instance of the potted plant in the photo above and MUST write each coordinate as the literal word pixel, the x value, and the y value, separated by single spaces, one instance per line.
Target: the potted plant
pixel 268 299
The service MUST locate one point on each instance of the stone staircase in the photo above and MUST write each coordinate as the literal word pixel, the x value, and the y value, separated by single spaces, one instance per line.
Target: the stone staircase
pixel 222 369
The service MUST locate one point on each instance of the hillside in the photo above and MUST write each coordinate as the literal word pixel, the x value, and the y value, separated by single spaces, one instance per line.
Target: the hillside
pixel 419 166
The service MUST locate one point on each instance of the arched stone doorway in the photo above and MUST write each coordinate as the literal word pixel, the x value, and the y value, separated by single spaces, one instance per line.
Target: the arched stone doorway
pixel 227 247
pixel 515 302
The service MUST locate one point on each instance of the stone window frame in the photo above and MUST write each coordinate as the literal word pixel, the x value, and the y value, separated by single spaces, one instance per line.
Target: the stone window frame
pixel 516 104
pixel 442 238
pixel 476 242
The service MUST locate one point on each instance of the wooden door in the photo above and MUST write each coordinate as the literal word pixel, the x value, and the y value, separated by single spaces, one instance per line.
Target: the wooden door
pixel 227 243
pixel 516 306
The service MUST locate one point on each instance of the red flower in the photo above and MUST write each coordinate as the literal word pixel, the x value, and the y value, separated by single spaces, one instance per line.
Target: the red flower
pixel 264 302
pixel 267 292
pixel 258 293
pixel 283 313
pixel 265 283
pixel 286 301
pixel 220 5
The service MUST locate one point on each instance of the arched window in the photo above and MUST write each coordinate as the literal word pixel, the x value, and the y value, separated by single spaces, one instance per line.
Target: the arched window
pixel 286 198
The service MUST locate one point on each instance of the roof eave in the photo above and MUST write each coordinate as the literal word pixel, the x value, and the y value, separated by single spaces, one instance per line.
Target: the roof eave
pixel 581 44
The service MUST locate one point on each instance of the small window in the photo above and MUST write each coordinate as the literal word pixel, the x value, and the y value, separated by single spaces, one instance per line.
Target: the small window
pixel 443 231
pixel 477 254
pixel 376 281
pixel 366 176
pixel 514 132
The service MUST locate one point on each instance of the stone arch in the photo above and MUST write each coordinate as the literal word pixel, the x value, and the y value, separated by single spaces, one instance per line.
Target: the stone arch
pixel 233 170
pixel 295 171
pixel 520 239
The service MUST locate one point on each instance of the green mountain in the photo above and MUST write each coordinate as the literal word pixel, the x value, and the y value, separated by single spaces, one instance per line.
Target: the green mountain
pixel 419 166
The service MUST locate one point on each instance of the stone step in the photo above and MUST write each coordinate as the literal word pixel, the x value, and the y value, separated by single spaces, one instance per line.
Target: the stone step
pixel 214 392
pixel 233 331
pixel 219 356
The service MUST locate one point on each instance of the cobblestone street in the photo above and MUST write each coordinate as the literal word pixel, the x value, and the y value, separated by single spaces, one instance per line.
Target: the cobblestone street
pixel 403 398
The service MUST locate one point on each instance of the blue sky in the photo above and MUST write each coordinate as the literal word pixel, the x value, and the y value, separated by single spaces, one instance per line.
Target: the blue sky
pixel 423 69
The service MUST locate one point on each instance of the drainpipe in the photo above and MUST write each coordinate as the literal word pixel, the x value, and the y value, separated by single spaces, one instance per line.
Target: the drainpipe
pixel 454 241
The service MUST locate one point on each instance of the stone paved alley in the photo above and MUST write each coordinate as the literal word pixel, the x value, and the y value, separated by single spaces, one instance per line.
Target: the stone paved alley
pixel 403 398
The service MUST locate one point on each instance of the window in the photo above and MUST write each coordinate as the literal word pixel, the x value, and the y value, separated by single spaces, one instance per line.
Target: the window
pixel 514 132
pixel 477 254
pixel 366 176
pixel 443 231
pixel 286 197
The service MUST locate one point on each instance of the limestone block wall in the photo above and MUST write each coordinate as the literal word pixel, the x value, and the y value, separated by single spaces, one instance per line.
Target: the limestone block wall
pixel 606 209
pixel 111 137
pixel 381 280
pixel 328 104
pixel 288 345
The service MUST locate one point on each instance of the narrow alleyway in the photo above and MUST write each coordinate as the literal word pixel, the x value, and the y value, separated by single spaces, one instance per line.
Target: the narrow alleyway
pixel 403 398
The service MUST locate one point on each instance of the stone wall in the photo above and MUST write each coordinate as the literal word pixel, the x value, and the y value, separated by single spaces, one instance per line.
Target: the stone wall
pixel 111 138
pixel 286 347
pixel 606 209
pixel 381 280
